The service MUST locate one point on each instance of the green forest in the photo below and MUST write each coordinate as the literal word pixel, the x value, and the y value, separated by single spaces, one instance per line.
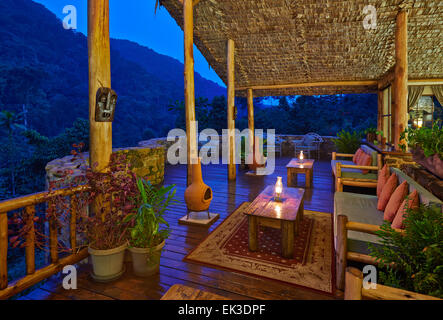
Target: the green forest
pixel 44 98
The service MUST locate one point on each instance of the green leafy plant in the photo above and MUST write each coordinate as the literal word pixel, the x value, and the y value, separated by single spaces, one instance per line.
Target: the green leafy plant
pixel 370 130
pixel 413 260
pixel 149 225
pixel 430 140
pixel 348 142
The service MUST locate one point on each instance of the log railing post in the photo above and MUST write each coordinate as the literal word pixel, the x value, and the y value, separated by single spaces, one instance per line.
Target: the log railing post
pixel 400 88
pixel 3 250
pixel 354 284
pixel 231 106
pixel 53 241
pixel 30 240
pixel 342 250
pixel 73 224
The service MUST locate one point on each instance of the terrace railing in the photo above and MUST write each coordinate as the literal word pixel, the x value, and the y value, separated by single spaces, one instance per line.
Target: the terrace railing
pixel 33 276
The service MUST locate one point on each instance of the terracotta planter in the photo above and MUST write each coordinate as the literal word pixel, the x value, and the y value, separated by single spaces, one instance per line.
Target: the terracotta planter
pixel 146 261
pixel 198 195
pixel 433 163
pixel 107 265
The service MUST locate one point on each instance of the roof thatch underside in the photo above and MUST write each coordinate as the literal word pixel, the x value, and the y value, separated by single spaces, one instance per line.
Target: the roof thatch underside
pixel 300 41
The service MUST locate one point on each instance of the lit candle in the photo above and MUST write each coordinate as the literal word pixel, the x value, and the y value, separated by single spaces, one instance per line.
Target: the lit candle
pixel 278 189
pixel 301 156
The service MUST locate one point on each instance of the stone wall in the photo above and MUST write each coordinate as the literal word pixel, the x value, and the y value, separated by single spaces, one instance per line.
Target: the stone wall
pixel 147 162
pixel 397 160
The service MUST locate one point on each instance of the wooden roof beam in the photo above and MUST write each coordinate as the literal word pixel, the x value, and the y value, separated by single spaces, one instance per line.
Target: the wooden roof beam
pixel 195 2
pixel 358 83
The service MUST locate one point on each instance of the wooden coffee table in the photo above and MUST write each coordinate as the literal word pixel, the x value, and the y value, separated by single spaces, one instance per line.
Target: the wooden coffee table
pixel 295 166
pixel 285 215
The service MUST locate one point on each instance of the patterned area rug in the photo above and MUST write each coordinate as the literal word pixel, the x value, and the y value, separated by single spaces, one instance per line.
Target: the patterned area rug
pixel 312 267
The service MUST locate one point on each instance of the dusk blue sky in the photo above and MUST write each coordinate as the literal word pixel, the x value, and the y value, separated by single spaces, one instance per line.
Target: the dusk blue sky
pixel 135 20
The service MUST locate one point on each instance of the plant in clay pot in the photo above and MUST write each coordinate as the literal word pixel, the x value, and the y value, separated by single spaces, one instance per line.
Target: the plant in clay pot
pixel 426 147
pixel 149 228
pixel 113 197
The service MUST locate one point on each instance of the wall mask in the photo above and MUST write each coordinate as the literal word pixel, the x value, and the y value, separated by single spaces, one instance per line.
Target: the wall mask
pixel 106 100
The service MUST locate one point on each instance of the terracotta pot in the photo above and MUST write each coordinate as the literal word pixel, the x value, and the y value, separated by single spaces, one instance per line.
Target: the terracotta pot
pixel 383 142
pixel 198 195
pixel 433 163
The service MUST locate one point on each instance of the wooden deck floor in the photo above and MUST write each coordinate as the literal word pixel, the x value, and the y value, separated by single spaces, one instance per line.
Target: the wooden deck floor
pixel 227 197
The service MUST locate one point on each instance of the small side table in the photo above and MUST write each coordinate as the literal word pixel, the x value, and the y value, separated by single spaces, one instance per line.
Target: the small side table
pixel 295 167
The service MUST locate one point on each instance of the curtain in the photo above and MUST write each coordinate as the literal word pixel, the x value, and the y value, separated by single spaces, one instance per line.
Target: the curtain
pixel 414 93
pixel 438 93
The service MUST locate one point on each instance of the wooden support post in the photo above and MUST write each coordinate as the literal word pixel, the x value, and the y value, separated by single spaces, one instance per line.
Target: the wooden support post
pixel 191 134
pixel 30 240
pixel 100 135
pixel 380 115
pixel 401 77
pixel 231 102
pixel 354 284
pixel 251 125
pixel 3 250
pixel 341 246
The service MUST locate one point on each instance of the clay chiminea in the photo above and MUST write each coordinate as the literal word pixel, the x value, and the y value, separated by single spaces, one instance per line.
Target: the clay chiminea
pixel 198 195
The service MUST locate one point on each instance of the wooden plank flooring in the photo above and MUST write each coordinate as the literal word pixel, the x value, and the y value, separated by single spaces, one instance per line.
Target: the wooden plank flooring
pixel 227 197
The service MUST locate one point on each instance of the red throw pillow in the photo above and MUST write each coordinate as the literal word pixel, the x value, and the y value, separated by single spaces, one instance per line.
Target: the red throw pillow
pixel 383 176
pixel 386 192
pixel 357 155
pixel 395 201
pixel 365 160
pixel 412 202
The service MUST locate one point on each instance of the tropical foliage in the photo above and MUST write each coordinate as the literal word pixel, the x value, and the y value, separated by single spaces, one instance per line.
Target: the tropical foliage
pixel 413 260
pixel 430 140
pixel 347 142
pixel 150 228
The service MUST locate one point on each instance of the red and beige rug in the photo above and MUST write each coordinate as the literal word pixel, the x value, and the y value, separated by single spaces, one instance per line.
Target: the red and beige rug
pixel 312 266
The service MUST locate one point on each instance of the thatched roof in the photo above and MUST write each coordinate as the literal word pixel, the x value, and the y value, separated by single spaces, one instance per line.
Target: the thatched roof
pixel 299 41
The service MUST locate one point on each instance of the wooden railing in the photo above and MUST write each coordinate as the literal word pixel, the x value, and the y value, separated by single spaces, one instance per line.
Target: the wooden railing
pixel 34 276
pixel 355 290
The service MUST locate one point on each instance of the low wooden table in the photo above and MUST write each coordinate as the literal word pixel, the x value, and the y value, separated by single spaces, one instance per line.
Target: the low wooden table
pixel 295 166
pixel 181 292
pixel 285 215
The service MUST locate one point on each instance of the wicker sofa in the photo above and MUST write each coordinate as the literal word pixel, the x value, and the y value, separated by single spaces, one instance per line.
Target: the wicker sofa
pixel 356 219
pixel 348 173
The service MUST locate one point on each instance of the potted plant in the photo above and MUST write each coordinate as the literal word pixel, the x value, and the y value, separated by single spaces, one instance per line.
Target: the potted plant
pixel 150 229
pixel 371 134
pixel 426 147
pixel 413 260
pixel 113 197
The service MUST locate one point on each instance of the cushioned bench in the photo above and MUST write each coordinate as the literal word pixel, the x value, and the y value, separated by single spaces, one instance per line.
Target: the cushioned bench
pixel 356 219
pixel 347 172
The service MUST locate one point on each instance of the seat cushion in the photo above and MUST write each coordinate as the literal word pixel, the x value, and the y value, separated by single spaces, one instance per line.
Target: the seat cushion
pixel 410 202
pixel 387 191
pixel 396 199
pixel 382 178
pixel 358 208
pixel 351 172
